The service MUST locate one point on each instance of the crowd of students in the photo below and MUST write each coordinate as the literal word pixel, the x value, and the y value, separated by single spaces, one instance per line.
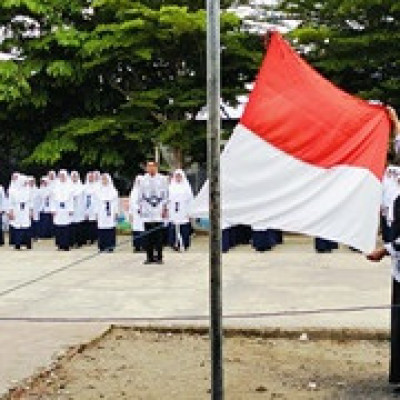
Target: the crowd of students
pixel 77 213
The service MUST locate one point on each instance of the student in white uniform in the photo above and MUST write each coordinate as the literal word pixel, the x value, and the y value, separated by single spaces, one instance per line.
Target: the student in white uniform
pixel 15 184
pixel 36 201
pixel 135 217
pixel 20 212
pixel 2 211
pixel 90 223
pixel 107 213
pixel 179 203
pixel 46 220
pixel 77 239
pixel 62 209
pixel 153 203
pixel 391 190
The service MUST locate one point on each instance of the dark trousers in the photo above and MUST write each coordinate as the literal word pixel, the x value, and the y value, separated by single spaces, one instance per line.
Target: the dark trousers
pixel 154 240
pixel 11 240
pixel 386 230
pixel 1 230
pixel 137 240
pixel 394 373
pixel 226 240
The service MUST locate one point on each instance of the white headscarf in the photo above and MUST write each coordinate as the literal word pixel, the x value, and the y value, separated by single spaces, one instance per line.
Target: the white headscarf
pixel 76 187
pixel 15 183
pixel 180 187
pixel 62 190
pixel 44 186
pixel 135 188
pixel 91 187
pixel 22 191
pixel 107 192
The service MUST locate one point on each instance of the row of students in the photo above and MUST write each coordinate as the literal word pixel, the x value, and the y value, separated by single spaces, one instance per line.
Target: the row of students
pixel 62 207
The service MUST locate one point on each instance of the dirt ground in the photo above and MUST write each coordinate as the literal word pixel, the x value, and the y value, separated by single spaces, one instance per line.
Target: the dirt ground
pixel 134 364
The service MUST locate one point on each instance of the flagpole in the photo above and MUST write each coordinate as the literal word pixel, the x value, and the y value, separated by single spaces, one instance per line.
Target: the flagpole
pixel 213 149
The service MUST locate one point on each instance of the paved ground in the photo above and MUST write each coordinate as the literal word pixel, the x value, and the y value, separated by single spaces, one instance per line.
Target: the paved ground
pixel 40 317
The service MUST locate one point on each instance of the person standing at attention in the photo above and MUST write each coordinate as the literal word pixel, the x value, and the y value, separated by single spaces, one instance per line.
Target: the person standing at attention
pixel 392 249
pixel 153 202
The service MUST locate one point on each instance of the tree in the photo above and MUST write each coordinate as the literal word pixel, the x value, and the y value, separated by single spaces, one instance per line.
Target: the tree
pixel 105 84
pixel 355 43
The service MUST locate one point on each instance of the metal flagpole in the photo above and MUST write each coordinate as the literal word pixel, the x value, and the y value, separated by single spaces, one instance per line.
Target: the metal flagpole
pixel 213 143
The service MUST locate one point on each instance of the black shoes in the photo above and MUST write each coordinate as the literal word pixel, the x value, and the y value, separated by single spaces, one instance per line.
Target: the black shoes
pixel 147 262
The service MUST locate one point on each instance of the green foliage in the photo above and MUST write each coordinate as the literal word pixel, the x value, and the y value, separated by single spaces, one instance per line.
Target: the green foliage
pixel 355 43
pixel 104 84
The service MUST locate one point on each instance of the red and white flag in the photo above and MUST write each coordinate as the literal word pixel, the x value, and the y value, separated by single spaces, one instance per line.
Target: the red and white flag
pixel 306 157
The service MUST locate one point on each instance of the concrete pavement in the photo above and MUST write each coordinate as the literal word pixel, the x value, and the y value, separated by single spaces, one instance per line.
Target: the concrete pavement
pixel 119 286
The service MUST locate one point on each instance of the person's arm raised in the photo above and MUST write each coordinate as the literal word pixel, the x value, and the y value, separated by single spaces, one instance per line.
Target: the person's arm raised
pixel 395 120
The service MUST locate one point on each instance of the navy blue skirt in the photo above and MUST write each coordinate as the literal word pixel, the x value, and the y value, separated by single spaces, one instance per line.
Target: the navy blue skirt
pixel 46 227
pixel 264 240
pixel 106 239
pixel 185 231
pixel 22 237
pixel 63 236
pixel 324 245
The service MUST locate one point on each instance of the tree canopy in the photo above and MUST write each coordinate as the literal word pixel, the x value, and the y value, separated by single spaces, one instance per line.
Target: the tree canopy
pixel 355 43
pixel 99 83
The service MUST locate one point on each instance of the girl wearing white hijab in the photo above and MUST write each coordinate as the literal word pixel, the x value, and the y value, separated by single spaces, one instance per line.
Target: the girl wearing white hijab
pixel 36 204
pixel 77 239
pixel 15 184
pixel 46 222
pixel 90 223
pixel 20 211
pixel 62 206
pixel 180 199
pixel 107 214
pixel 135 217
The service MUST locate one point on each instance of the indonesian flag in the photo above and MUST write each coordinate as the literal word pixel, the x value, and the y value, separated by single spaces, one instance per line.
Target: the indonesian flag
pixel 306 157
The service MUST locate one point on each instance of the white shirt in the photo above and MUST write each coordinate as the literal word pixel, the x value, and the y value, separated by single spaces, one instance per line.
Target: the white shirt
pixel 62 205
pixel 106 211
pixel 180 200
pixel 391 191
pixel 78 200
pixel 21 208
pixel 106 205
pixel 45 195
pixel 134 211
pixel 36 199
pixel 153 197
pixel 89 201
